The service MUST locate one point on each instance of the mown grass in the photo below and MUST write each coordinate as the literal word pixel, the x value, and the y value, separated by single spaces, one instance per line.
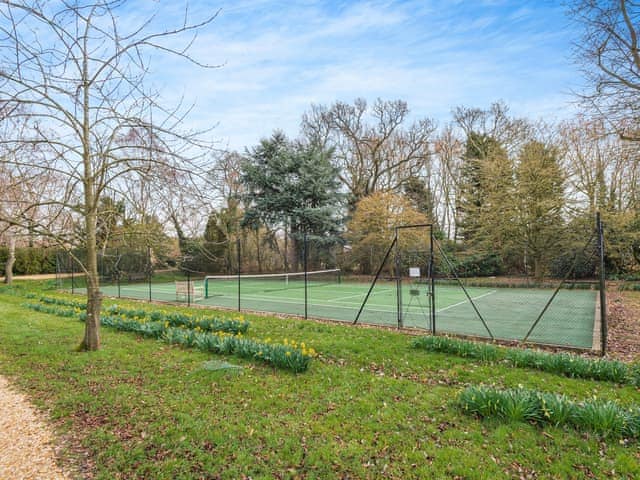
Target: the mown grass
pixel 370 406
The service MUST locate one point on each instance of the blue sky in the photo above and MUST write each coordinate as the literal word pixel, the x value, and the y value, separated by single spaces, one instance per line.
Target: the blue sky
pixel 278 57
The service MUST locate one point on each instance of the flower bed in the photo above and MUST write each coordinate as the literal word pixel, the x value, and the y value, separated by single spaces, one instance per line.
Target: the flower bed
pixel 604 418
pixel 560 363
pixel 208 333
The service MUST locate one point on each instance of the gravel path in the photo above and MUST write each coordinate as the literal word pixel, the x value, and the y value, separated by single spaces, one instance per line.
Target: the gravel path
pixel 26 441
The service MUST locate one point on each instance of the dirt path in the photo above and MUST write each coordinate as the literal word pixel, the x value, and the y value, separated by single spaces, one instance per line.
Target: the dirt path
pixel 26 441
pixel 41 276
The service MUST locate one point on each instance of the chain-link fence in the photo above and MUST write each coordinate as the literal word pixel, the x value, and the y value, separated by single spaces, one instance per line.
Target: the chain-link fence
pixel 420 282
pixel 561 305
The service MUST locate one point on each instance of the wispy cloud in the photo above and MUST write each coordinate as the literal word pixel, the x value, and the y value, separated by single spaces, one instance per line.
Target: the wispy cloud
pixel 279 57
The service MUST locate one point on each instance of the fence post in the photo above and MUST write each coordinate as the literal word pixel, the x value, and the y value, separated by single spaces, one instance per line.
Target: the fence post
pixel 72 277
pixel 118 270
pixel 304 260
pixel 149 272
pixel 433 283
pixel 603 296
pixel 239 271
pixel 375 279
pixel 188 288
pixel 398 281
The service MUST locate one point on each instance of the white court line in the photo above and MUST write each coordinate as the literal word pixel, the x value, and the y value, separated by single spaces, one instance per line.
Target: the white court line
pixel 296 301
pixel 361 295
pixel 465 301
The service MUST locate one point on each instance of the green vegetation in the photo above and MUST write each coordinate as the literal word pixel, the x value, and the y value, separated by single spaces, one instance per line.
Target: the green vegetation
pixel 213 323
pixel 604 418
pixel 462 348
pixel 211 334
pixel 369 406
pixel 30 260
pixel 559 363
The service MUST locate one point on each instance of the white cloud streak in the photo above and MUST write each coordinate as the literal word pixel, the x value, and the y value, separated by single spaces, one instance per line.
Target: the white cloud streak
pixel 279 57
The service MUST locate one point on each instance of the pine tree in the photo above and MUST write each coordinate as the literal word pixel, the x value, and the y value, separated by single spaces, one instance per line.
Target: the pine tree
pixel 539 202
pixel 485 204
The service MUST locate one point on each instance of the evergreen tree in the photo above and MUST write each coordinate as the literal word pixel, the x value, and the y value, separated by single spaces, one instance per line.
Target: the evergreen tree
pixel 485 205
pixel 420 195
pixel 295 188
pixel 539 202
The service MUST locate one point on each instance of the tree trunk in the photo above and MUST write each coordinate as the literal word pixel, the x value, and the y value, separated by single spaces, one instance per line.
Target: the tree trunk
pixel 8 269
pixel 182 239
pixel 258 250
pixel 286 251
pixel 537 269
pixel 91 339
pixel 294 256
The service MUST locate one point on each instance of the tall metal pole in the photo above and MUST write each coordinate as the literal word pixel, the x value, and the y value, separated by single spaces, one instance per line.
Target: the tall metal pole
pixel 433 283
pixel 375 279
pixel 398 281
pixel 603 296
pixel 188 288
pixel 466 293
pixel 239 270
pixel 305 274
pixel 118 270
pixel 149 270
pixel 72 278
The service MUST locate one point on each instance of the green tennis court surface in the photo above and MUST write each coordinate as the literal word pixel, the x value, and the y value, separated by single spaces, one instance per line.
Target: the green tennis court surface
pixel 509 313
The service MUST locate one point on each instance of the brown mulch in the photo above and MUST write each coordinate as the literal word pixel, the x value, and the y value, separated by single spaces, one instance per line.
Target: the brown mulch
pixel 623 313
pixel 27 444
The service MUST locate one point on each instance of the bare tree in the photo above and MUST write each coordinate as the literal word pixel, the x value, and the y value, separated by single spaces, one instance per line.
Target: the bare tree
pixel 603 170
pixel 371 156
pixel 448 152
pixel 20 187
pixel 494 122
pixel 80 78
pixel 610 56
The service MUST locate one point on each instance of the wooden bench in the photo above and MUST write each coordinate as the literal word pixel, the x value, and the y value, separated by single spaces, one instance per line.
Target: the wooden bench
pixel 137 276
pixel 188 290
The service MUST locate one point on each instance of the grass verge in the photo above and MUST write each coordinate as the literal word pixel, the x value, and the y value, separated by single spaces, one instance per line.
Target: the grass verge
pixel 368 407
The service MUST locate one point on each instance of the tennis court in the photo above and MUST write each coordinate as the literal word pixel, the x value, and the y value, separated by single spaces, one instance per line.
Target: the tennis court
pixel 508 313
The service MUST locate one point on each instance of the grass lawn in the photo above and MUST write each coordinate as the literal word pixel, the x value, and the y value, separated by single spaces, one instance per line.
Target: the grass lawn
pixel 369 407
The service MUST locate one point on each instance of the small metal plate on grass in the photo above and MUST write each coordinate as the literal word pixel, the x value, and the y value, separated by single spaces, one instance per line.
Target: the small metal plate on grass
pixel 221 365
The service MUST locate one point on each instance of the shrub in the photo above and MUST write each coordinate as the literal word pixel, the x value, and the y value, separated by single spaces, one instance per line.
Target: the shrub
pixel 479 265
pixel 30 260
pixel 571 365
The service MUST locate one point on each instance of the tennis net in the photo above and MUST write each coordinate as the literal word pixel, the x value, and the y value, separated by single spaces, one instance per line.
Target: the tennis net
pixel 215 285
